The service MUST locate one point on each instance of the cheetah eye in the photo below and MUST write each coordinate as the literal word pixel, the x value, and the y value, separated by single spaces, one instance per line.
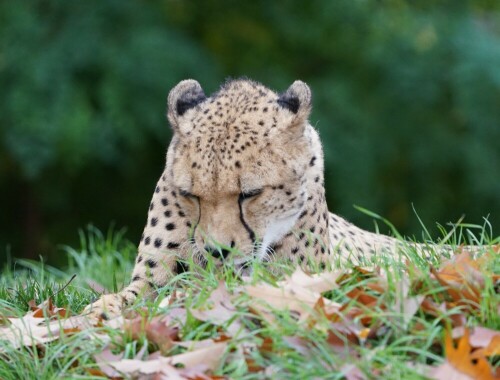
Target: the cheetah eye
pixel 250 193
pixel 187 194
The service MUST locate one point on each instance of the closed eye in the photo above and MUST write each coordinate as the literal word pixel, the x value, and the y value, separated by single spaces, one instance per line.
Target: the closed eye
pixel 187 194
pixel 250 193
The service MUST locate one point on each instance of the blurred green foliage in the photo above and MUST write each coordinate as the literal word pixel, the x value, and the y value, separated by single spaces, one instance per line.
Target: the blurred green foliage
pixel 406 98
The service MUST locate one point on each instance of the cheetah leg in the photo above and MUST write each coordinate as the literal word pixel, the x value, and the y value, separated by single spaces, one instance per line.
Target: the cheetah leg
pixel 161 247
pixel 145 282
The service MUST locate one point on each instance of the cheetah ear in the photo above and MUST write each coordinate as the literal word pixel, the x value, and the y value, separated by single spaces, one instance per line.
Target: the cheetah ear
pixel 186 95
pixel 297 100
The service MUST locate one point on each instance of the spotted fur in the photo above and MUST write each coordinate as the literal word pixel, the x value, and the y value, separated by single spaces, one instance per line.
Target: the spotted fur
pixel 244 170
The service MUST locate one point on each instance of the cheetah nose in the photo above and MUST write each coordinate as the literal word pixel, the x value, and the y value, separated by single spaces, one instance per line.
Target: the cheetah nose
pixel 218 253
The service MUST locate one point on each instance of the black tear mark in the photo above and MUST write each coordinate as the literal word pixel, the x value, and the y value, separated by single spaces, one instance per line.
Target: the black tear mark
pixel 251 234
pixel 289 102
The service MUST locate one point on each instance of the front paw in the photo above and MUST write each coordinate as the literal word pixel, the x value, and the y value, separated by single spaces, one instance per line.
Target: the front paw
pixel 107 307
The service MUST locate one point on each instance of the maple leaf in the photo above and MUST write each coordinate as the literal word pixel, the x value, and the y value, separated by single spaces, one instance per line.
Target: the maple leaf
pixel 486 340
pixel 459 363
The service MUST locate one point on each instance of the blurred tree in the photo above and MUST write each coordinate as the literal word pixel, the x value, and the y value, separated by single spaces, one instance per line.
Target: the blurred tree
pixel 84 87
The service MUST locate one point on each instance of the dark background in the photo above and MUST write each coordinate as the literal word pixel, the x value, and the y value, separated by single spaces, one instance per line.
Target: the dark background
pixel 406 98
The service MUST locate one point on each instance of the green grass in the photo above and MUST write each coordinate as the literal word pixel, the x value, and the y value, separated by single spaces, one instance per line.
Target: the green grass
pixel 108 260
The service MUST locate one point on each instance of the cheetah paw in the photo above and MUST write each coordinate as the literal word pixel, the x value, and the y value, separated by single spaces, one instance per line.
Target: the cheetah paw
pixel 107 307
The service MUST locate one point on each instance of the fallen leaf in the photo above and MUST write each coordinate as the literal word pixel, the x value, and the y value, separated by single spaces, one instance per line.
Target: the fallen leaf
pixel 30 331
pixel 219 310
pixel 300 345
pixel 296 294
pixel 320 282
pixel 479 337
pixel 351 372
pixel 340 334
pixel 46 309
pixel 157 331
pixel 404 305
pixel 209 356
pixel 459 363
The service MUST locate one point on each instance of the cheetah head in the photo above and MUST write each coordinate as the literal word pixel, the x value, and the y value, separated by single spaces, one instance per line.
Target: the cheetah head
pixel 238 159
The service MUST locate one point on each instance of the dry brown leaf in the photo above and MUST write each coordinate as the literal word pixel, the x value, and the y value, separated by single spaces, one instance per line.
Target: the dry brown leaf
pixel 298 344
pixel 368 302
pixel 448 372
pixel 320 282
pixel 485 341
pixel 294 298
pixel 157 331
pixel 479 337
pixel 407 306
pixel 362 297
pixel 195 364
pixel 252 365
pixel 103 358
pixel 29 330
pixel 459 360
pixel 133 367
pixel 463 277
pixel 193 345
pixel 461 266
pixel 341 333
pixel 351 372
pixel 47 309
pixel 300 294
pixel 492 349
pixel 219 310
pixel 462 292
pixel 210 356
pixel 160 333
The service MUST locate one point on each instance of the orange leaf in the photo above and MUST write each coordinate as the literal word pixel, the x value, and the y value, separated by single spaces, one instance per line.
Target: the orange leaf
pixel 461 359
pixel 71 330
pixel 462 292
pixel 362 297
pixel 492 349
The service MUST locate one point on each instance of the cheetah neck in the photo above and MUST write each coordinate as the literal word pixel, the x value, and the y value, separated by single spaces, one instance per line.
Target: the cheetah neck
pixel 309 237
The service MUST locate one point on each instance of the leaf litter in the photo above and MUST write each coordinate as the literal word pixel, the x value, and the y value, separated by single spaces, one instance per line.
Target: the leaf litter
pixel 365 311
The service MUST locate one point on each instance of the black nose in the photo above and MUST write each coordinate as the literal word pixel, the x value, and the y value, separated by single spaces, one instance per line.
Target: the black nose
pixel 218 253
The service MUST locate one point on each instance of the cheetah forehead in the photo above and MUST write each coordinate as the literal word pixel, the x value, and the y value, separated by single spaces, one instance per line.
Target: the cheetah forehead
pixel 235 141
pixel 239 107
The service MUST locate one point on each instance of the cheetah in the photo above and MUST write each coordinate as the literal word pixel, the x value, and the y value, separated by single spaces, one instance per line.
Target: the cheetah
pixel 244 173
